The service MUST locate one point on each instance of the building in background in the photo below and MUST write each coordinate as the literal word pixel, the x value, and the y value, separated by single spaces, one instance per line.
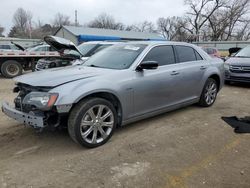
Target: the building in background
pixel 79 35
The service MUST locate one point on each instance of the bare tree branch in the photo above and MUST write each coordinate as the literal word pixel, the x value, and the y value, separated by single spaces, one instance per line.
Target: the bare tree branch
pixel 60 19
pixel 201 11
pixel 105 21
pixel 145 26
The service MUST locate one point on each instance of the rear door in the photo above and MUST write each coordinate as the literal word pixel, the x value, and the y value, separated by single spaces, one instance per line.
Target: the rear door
pixel 191 68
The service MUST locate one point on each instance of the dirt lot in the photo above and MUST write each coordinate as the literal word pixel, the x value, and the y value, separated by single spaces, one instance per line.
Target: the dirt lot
pixel 191 147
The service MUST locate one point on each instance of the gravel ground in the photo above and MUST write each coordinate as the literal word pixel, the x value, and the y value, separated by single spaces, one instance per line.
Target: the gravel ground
pixel 190 147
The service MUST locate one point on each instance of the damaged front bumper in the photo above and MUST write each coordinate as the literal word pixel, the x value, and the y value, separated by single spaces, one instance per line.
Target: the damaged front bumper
pixel 24 118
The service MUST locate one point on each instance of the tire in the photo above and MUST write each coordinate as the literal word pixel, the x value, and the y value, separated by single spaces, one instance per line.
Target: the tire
pixel 209 93
pixel 11 68
pixel 87 111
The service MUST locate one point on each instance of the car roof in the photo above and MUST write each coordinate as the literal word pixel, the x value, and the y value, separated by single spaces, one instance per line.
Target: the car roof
pixel 136 42
pixel 102 42
pixel 152 43
pixel 148 43
pixel 156 43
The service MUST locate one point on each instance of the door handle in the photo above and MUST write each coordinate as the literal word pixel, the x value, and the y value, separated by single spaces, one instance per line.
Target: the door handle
pixel 203 67
pixel 174 73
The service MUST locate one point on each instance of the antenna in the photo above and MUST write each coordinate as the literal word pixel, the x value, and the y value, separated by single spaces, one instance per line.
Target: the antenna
pixel 76 22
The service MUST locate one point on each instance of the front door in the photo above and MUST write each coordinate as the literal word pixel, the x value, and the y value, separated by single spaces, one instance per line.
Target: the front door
pixel 155 89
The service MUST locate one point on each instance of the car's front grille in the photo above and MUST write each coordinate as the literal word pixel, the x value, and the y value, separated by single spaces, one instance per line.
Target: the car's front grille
pixel 240 69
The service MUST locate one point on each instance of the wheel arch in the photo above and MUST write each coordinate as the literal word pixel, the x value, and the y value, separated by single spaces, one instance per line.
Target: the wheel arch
pixel 108 96
pixel 216 77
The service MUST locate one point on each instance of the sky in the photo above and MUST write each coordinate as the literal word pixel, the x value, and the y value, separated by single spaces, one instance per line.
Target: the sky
pixel 125 11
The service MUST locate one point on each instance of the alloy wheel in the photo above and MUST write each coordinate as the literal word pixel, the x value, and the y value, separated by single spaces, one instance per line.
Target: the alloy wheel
pixel 97 124
pixel 210 93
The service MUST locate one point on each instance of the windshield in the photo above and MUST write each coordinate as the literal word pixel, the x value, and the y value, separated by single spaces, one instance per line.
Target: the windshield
pixel 119 56
pixel 83 48
pixel 245 52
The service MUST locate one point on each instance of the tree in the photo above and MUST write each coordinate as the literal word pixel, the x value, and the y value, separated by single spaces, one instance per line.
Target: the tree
pixel 13 32
pixel 60 19
pixel 169 27
pixel 22 19
pixel 22 22
pixel 174 28
pixel 105 21
pixel 200 11
pixel 236 11
pixel 145 26
pixel 243 33
pixel 229 20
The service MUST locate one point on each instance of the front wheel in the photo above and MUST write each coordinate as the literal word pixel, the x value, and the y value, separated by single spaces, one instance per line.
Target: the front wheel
pixel 209 93
pixel 92 122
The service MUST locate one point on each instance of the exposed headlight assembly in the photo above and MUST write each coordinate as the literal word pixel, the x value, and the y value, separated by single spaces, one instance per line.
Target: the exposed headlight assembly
pixel 42 100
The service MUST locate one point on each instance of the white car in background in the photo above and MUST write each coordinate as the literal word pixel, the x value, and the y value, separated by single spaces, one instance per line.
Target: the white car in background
pixel 70 54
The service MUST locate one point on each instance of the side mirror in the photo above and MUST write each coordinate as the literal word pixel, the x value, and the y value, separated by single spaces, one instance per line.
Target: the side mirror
pixel 147 65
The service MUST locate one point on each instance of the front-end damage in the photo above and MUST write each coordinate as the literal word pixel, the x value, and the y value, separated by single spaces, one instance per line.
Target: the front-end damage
pixel 34 106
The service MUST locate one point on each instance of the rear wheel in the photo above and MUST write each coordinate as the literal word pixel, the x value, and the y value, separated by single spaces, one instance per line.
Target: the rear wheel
pixel 92 122
pixel 209 93
pixel 11 68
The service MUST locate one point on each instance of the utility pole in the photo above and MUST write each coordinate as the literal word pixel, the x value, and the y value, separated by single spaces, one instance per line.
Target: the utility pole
pixel 76 22
pixel 30 29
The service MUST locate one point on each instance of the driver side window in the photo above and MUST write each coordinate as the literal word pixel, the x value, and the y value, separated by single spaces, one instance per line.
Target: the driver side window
pixel 163 55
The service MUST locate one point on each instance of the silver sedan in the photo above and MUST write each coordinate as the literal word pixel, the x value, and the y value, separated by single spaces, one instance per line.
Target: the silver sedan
pixel 119 85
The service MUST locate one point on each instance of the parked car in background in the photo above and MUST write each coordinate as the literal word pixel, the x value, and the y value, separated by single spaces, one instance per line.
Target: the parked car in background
pixel 81 52
pixel 213 52
pixel 41 48
pixel 233 51
pixel 237 68
pixel 119 85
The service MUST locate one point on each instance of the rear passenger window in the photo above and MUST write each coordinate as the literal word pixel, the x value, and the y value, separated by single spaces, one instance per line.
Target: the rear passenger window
pixel 164 55
pixel 185 53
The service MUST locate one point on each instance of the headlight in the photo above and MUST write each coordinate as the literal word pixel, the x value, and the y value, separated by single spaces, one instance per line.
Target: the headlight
pixel 41 100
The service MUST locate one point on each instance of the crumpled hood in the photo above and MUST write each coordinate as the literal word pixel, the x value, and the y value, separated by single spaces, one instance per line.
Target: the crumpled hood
pixel 238 61
pixel 59 76
pixel 61 44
